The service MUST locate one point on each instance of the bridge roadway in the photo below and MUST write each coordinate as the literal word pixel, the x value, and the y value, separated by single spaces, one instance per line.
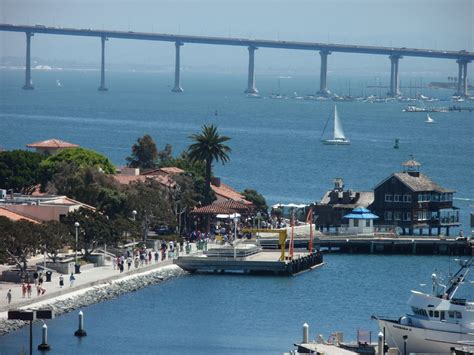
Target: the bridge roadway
pixel 462 57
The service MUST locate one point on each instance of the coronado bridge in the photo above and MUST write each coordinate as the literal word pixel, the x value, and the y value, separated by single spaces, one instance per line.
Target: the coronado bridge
pixel 461 57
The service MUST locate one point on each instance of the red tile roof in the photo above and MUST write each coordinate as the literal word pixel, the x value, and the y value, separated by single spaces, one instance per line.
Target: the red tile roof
pixel 213 209
pixel 16 216
pixel 229 193
pixel 163 179
pixel 52 143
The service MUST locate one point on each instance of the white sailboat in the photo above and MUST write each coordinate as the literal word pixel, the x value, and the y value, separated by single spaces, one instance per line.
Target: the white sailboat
pixel 429 119
pixel 339 138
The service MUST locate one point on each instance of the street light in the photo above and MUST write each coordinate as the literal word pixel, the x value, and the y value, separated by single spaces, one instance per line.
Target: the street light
pixel 259 215
pixel 134 214
pixel 76 224
pixel 236 219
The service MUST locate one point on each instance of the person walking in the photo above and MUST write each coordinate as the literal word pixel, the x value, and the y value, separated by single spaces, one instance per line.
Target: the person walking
pixel 129 262
pixel 23 290
pixel 61 281
pixel 137 262
pixel 40 279
pixel 28 289
pixel 156 256
pixel 35 277
pixel 9 296
pixel 71 280
pixel 149 256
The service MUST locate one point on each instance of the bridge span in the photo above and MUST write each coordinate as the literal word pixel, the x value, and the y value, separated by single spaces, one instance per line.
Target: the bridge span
pixel 461 57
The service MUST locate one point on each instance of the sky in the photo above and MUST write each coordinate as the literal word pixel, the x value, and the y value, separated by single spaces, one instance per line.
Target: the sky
pixel 434 24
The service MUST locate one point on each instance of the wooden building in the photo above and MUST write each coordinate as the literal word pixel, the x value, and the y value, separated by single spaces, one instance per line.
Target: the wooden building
pixel 410 200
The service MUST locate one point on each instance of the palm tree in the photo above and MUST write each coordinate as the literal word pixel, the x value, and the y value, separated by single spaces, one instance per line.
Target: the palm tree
pixel 208 147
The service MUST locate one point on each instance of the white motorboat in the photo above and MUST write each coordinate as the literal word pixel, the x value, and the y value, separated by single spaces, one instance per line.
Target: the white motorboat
pixel 439 321
pixel 338 138
pixel 429 119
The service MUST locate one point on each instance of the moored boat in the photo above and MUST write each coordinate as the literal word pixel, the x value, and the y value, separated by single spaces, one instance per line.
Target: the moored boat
pixel 439 321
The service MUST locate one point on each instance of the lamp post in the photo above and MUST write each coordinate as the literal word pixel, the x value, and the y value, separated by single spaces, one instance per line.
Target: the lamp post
pixel 405 337
pixel 259 215
pixel 134 214
pixel 76 224
pixel 236 219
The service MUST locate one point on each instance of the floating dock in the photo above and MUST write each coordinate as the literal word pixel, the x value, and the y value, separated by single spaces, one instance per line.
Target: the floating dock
pixel 249 259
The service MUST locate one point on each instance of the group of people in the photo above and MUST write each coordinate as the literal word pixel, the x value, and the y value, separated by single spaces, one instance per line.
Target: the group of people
pixel 142 256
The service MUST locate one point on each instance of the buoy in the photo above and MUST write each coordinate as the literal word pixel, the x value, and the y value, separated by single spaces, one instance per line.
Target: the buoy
pixel 396 146
pixel 44 344
pixel 80 332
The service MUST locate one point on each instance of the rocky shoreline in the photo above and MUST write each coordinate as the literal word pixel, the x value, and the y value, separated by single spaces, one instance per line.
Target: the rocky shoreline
pixel 99 294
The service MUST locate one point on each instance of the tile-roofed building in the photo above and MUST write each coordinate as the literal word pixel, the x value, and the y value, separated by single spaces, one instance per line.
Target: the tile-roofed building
pixel 42 208
pixel 225 192
pixel 16 216
pixel 51 146
pixel 410 200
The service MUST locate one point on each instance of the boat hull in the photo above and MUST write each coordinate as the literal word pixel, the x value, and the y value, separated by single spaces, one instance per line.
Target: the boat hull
pixel 422 340
pixel 336 142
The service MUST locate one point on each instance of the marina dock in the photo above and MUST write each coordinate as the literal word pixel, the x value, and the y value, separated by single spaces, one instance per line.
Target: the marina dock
pixel 249 259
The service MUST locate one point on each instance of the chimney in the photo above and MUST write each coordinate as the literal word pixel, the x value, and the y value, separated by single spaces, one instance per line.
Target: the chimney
pixel 216 181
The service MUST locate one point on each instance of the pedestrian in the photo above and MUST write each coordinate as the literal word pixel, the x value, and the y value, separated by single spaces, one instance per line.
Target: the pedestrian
pixel 71 280
pixel 9 296
pixel 28 289
pixel 23 290
pixel 35 277
pixel 121 266
pixel 136 262
pixel 156 256
pixel 40 279
pixel 38 290
pixel 149 256
pixel 61 281
pixel 129 262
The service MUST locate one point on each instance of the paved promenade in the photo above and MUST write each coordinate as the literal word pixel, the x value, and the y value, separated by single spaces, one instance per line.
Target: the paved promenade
pixel 87 278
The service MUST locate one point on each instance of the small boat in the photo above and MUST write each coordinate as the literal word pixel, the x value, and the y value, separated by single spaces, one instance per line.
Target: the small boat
pixel 439 321
pixel 338 138
pixel 429 119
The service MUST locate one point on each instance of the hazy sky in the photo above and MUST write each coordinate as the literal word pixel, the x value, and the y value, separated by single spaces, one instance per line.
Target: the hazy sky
pixel 438 24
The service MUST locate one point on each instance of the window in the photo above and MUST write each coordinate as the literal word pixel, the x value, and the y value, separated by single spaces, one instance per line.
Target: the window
pixel 388 198
pixel 396 198
pixel 367 222
pixel 419 311
pixel 398 216
pixel 356 223
pixel 423 215
pixel 451 314
pixel 458 315
pixel 407 216
pixel 388 215
pixel 406 198
pixel 436 314
pixel 431 313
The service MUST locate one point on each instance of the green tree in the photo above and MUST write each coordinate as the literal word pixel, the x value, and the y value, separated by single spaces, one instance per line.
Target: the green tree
pixel 152 203
pixel 19 170
pixel 90 186
pixel 19 240
pixel 144 153
pixel 208 147
pixel 80 157
pixel 257 200
pixel 94 229
pixel 54 236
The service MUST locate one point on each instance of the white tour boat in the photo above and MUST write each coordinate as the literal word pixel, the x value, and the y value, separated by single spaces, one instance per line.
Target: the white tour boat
pixel 439 321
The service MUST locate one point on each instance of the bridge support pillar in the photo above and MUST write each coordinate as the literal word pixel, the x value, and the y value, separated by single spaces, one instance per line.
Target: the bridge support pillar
pixel 394 78
pixel 460 76
pixel 323 87
pixel 465 93
pixel 177 67
pixel 28 83
pixel 251 89
pixel 102 86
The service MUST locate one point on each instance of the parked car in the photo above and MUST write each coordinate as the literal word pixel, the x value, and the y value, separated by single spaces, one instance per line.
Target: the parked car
pixel 163 230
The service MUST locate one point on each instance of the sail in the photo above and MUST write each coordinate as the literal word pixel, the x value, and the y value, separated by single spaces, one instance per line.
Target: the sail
pixel 338 131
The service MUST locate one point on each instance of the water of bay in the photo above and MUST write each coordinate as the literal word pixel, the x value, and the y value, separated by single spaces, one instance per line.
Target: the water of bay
pixel 276 150
pixel 217 314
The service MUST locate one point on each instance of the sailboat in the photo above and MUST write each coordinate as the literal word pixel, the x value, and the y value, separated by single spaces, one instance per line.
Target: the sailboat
pixel 429 119
pixel 339 137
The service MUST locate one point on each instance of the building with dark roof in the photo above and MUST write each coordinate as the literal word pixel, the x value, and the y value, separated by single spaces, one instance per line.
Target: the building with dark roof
pixel 338 202
pixel 410 200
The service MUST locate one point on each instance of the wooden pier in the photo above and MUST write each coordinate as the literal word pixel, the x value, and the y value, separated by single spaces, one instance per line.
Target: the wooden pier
pixel 248 260
pixel 383 245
